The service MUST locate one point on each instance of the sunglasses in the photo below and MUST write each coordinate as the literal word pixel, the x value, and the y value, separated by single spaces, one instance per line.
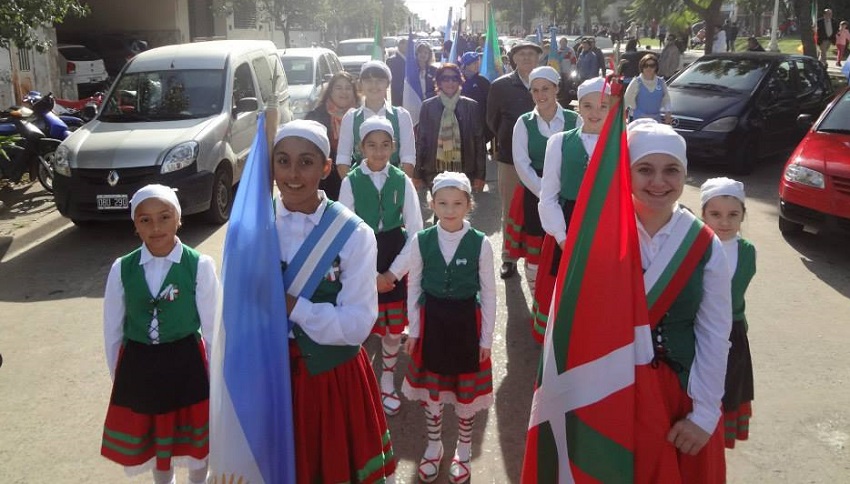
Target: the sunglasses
pixel 449 79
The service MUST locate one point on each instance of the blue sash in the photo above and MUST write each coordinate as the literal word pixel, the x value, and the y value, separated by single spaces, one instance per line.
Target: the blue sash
pixel 310 264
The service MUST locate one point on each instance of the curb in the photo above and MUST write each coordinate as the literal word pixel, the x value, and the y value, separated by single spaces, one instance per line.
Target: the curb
pixel 38 229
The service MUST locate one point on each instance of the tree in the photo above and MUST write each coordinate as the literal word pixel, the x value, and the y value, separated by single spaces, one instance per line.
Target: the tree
pixel 20 18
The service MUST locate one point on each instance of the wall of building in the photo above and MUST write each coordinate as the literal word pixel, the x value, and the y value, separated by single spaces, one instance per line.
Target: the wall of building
pixel 160 22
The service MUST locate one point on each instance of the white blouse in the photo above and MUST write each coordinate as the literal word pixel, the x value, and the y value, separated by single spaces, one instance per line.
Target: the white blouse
pixel 449 242
pixel 207 298
pixel 712 326
pixel 350 321
pixel 345 146
pixel 412 215
pixel 522 161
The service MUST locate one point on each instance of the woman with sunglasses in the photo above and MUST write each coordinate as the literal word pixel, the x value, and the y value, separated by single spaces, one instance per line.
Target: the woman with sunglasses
pixel 647 96
pixel 451 136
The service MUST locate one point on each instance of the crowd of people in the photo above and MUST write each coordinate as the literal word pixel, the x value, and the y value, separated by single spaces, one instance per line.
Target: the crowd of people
pixel 362 157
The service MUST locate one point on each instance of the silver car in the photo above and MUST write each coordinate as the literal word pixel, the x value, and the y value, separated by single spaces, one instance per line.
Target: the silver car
pixel 308 71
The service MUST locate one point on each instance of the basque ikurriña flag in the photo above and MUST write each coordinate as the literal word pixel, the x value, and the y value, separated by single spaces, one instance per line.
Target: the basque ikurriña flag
pixel 412 95
pixel 251 423
pixel 592 391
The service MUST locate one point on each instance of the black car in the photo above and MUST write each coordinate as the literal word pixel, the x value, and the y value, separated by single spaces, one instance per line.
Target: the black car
pixel 736 108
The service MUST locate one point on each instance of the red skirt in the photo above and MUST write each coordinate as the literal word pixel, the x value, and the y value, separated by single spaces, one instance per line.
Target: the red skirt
pixel 341 434
pixel 543 290
pixel 523 230
pixel 142 440
pixel 468 392
pixel 392 318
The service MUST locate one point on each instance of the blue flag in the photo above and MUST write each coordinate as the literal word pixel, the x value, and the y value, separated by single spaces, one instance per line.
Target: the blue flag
pixel 447 37
pixel 539 33
pixel 412 95
pixel 453 53
pixel 251 422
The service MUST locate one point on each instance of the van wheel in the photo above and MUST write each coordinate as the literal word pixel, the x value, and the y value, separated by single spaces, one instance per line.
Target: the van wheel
pixel 221 200
pixel 787 227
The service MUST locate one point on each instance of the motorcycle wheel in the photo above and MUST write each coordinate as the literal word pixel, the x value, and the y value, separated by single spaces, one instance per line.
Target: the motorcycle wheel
pixel 45 170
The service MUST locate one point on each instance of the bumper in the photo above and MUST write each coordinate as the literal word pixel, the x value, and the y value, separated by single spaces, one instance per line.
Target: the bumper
pixel 76 196
pixel 708 146
pixel 812 218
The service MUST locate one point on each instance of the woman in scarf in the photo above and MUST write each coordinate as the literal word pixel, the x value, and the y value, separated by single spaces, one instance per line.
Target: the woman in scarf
pixel 451 136
pixel 339 96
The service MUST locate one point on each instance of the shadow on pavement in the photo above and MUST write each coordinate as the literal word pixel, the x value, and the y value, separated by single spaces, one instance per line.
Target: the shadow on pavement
pixel 826 256
pixel 76 261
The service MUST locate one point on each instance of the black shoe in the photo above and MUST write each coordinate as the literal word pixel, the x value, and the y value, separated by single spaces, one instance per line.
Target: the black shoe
pixel 508 270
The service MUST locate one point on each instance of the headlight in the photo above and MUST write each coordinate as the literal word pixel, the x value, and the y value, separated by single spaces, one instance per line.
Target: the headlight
pixel 300 106
pixel 804 176
pixel 61 161
pixel 722 125
pixel 180 157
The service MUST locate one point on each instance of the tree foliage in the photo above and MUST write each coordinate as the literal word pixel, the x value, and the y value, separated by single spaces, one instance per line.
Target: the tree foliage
pixel 19 20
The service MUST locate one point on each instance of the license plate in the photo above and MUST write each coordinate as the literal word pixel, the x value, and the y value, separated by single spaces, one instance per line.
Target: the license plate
pixel 112 202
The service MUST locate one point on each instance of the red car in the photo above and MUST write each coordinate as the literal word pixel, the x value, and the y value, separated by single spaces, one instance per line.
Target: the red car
pixel 815 187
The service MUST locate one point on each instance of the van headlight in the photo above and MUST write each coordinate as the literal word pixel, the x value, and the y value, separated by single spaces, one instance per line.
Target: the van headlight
pixel 61 161
pixel 722 125
pixel 805 176
pixel 180 157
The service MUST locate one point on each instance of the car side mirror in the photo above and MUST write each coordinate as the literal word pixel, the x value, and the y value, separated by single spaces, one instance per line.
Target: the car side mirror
pixel 805 121
pixel 327 77
pixel 246 104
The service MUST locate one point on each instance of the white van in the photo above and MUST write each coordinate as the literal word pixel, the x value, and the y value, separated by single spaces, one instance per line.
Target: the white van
pixel 181 115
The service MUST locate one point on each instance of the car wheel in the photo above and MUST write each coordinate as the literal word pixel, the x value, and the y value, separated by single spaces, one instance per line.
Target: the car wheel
pixel 221 200
pixel 745 162
pixel 787 227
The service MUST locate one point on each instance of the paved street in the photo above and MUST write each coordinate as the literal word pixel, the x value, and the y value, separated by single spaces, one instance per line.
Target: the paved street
pixel 54 385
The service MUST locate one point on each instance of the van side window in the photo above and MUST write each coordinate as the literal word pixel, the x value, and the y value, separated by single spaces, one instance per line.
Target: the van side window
pixel 243 83
pixel 264 77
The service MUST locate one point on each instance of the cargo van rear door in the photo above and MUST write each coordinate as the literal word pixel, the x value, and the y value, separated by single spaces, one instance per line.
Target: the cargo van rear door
pixel 244 125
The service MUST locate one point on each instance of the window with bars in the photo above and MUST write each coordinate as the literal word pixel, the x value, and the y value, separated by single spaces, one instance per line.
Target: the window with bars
pixel 245 18
pixel 24 60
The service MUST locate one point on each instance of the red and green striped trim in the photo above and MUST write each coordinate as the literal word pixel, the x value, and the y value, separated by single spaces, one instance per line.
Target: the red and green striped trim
pixel 378 468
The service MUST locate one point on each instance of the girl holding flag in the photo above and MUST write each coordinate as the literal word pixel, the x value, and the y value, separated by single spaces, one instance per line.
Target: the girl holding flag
pixel 523 231
pixel 686 277
pixel 326 245
pixel 375 78
pixel 723 210
pixel 565 162
pixel 386 200
pixel 452 311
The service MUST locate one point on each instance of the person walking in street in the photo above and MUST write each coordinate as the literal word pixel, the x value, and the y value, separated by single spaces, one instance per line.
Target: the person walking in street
pixel 731 36
pixel 523 236
pixel 670 58
pixel 427 70
pixel 685 265
pixel 723 210
pixel 842 41
pixel 591 61
pixel 385 198
pixel 341 432
pixel 647 96
pixel 159 312
pixel 450 136
pixel 396 63
pixel 339 96
pixel 476 87
pixel 452 312
pixel 827 28
pixel 565 162
pixel 375 78
pixel 719 44
pixel 509 99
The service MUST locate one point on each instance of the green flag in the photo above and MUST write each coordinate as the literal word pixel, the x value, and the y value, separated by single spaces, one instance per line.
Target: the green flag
pixel 378 46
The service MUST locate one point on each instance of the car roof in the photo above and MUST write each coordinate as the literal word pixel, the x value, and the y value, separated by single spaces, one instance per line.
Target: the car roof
pixel 356 41
pixel 755 55
pixel 199 55
pixel 304 51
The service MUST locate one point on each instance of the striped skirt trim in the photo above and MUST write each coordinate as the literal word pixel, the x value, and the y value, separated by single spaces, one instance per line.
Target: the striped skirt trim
pixel 736 424
pixel 392 318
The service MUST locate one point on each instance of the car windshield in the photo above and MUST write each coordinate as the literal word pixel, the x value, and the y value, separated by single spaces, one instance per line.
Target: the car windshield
pixel 165 96
pixel 299 70
pixel 838 118
pixel 740 75
pixel 355 48
pixel 78 53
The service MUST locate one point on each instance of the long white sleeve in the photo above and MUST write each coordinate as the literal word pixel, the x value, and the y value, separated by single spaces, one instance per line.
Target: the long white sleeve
pixel 713 324
pixel 345 145
pixel 551 215
pixel 207 299
pixel 114 310
pixel 414 285
pixel 487 279
pixel 412 224
pixel 522 161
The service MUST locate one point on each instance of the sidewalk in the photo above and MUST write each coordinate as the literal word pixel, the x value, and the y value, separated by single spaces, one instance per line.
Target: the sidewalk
pixel 27 214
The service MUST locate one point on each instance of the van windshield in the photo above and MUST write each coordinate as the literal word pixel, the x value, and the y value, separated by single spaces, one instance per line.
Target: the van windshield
pixel 165 96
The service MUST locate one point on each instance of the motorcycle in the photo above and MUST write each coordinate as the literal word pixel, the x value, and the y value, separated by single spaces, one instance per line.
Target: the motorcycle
pixel 81 108
pixel 51 115
pixel 30 151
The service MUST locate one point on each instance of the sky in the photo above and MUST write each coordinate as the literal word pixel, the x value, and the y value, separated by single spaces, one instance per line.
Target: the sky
pixel 435 11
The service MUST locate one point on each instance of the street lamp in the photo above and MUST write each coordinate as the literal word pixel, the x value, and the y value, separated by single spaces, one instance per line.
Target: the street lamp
pixel 773 46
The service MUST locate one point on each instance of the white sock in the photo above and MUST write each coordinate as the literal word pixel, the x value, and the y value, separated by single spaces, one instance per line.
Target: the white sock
pixel 464 438
pixel 390 344
pixel 434 425
pixel 164 477
pixel 198 476
pixel 531 276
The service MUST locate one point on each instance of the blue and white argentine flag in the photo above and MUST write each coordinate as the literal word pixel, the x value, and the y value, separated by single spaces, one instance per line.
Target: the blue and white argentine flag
pixel 412 95
pixel 251 423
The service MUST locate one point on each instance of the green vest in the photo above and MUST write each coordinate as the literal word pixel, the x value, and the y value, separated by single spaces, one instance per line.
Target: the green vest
pixel 320 358
pixel 177 315
pixel 677 326
pixel 359 117
pixel 374 207
pixel 744 273
pixel 457 280
pixel 536 140
pixel 574 160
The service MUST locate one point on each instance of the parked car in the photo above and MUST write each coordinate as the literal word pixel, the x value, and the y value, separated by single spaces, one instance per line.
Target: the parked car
pixel 353 53
pixel 114 48
pixel 308 71
pixel 181 115
pixel 815 187
pixel 736 108
pixel 84 66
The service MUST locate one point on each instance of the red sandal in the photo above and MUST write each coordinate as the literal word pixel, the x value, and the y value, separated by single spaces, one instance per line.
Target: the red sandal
pixel 459 470
pixel 435 463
